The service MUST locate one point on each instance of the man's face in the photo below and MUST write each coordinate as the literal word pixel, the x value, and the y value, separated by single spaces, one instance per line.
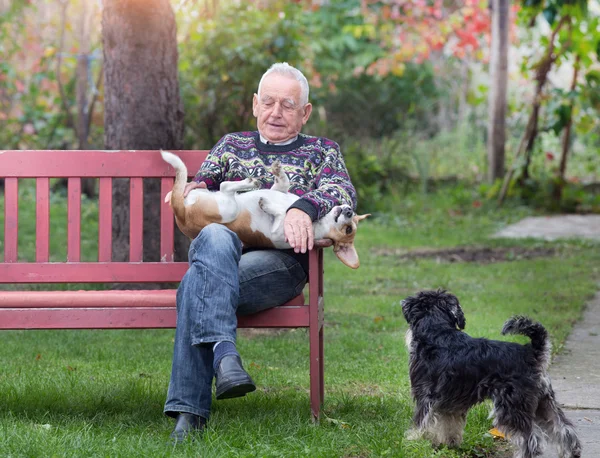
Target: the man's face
pixel 277 108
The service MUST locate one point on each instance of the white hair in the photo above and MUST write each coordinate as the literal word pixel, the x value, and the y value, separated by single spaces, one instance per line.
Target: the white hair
pixel 285 69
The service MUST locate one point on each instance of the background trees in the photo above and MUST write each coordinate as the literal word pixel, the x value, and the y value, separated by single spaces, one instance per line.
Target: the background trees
pixel 404 86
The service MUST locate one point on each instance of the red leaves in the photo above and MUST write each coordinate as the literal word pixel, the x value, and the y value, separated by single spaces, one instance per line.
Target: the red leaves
pixel 413 29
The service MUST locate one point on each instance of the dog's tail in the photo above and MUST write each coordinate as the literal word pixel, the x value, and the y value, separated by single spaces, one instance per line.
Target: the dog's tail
pixel 177 199
pixel 536 332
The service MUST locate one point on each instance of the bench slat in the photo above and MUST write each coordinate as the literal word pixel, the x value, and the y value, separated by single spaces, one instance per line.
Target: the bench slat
pixel 167 223
pixel 74 220
pixel 42 220
pixel 99 299
pixel 136 220
pixel 105 220
pixel 92 272
pixel 94 163
pixel 91 318
pixel 11 219
pixel 136 317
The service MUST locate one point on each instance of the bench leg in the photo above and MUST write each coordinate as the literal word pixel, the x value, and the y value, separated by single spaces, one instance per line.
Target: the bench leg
pixel 321 371
pixel 316 371
pixel 317 388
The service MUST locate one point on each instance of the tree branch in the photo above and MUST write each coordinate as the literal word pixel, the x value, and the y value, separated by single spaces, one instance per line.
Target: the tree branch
pixel 61 89
pixel 90 110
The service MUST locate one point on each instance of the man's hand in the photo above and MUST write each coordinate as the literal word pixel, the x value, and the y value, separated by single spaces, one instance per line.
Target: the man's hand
pixel 298 230
pixel 193 185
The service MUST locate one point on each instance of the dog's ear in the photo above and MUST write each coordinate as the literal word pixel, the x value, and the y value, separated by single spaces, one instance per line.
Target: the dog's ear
pixel 348 255
pixel 408 309
pixel 457 313
pixel 359 218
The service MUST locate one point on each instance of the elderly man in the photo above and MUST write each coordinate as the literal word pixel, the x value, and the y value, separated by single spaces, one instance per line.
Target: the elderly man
pixel 223 279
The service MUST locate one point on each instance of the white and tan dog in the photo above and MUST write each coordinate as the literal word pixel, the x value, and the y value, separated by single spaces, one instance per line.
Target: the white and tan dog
pixel 256 216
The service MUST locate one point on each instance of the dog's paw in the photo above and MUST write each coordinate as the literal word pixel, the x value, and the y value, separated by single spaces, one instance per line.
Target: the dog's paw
pixel 276 168
pixel 251 183
pixel 413 434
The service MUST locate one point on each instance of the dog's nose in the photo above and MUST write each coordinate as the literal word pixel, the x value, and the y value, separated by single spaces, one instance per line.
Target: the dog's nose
pixel 348 212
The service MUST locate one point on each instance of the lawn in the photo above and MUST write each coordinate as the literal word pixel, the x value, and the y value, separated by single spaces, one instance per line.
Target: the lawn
pixel 100 393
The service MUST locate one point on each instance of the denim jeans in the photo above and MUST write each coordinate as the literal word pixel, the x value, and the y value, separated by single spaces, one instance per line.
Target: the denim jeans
pixel 220 282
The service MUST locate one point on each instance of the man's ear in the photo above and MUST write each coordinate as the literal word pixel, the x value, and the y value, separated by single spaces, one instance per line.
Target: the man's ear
pixel 255 105
pixel 348 255
pixel 307 112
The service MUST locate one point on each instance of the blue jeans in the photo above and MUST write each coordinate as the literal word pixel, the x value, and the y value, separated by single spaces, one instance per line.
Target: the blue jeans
pixel 220 282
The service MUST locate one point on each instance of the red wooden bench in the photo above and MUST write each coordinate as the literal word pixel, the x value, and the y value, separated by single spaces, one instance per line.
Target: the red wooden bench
pixel 118 309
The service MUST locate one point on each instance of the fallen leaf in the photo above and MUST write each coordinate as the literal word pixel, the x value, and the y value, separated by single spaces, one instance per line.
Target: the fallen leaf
pixel 497 434
pixel 38 356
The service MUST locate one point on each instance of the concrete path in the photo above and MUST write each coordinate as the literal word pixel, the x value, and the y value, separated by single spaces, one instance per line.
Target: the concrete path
pixel 555 227
pixel 575 372
pixel 575 375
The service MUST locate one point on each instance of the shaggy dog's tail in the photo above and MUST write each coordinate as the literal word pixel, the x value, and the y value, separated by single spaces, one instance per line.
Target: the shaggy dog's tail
pixel 177 199
pixel 540 343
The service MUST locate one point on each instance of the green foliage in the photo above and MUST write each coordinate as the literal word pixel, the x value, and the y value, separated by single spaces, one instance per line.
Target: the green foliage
pixel 377 169
pixel 374 106
pixel 222 61
pixel 338 44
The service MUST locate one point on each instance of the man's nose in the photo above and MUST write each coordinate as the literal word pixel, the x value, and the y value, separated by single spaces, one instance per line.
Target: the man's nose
pixel 276 109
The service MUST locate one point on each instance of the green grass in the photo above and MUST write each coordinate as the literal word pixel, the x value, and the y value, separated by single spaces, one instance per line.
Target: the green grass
pixel 100 393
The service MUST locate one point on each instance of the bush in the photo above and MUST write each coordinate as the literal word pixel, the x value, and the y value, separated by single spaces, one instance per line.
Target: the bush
pixel 374 106
pixel 221 64
pixel 377 171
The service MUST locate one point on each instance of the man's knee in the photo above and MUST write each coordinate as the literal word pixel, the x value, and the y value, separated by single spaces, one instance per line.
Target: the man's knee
pixel 216 239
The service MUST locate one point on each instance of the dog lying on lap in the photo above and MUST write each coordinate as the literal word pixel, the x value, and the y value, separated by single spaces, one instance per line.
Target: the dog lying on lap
pixel 450 372
pixel 256 215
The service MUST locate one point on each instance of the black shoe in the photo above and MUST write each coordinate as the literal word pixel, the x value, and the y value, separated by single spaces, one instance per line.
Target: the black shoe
pixel 186 423
pixel 232 381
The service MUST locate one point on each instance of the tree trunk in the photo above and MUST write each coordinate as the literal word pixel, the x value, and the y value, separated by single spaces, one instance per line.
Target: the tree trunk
pixel 531 130
pixel 88 185
pixel 498 83
pixel 142 107
pixel 562 169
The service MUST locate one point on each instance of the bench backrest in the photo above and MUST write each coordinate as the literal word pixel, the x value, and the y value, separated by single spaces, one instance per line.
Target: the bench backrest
pixel 74 165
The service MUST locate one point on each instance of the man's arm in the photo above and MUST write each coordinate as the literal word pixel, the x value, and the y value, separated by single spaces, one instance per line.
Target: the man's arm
pixel 333 185
pixel 333 188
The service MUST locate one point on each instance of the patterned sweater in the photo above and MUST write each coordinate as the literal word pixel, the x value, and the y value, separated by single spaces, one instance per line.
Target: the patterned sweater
pixel 314 166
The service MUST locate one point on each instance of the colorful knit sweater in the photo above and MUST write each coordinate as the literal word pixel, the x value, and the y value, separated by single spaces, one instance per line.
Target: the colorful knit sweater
pixel 314 166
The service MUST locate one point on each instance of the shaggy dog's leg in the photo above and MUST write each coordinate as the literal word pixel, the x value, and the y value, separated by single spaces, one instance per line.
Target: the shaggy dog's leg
pixel 422 419
pixel 557 426
pixel 448 429
pixel 519 426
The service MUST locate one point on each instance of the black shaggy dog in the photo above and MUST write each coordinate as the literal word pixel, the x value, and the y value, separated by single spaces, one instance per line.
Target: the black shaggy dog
pixel 451 371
